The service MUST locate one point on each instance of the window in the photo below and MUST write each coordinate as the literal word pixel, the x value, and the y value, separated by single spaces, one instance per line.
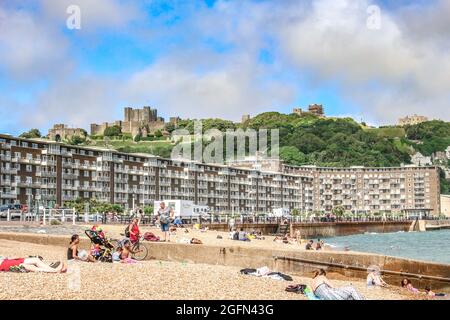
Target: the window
pixel 17 179
pixel 86 194
pixel 17 155
pixel 29 180
pixel 29 168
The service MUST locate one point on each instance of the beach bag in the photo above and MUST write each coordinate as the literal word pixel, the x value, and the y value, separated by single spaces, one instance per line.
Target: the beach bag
pixel 296 288
pixel 127 231
pixel 248 271
pixel 149 236
pixel 196 241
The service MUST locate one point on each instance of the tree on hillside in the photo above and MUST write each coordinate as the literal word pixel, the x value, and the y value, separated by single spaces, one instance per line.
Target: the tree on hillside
pixel 113 131
pixel 292 155
pixel 32 133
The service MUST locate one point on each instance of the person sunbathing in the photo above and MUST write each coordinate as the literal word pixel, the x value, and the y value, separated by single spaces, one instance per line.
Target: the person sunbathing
pixel 430 293
pixel 324 290
pixel 32 264
pixel 406 284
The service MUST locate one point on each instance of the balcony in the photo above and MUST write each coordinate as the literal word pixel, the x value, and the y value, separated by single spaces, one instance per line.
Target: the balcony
pixel 70 176
pixel 4 157
pixel 8 195
pixel 68 164
pixel 5 146
pixel 8 171
pixel 30 161
pixel 48 185
pixel 50 163
pixel 101 179
pixel 46 174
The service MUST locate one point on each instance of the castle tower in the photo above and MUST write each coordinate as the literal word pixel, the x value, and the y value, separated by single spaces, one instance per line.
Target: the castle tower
pixel 128 114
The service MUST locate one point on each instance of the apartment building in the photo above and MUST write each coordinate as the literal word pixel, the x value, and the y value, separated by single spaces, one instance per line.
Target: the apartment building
pixel 404 189
pixel 52 173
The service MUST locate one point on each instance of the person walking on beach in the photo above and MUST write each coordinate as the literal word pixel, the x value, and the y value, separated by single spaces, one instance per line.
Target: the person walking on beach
pixel 134 231
pixel 165 214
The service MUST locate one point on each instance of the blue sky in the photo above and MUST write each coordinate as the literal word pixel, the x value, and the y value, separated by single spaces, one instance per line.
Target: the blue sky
pixel 220 59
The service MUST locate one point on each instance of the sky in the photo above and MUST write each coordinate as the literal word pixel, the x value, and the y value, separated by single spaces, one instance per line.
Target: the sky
pixel 372 60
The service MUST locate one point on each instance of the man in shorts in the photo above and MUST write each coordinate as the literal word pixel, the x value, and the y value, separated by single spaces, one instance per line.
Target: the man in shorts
pixel 165 214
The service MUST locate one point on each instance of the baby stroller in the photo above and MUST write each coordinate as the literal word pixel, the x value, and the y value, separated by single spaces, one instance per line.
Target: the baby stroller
pixel 106 248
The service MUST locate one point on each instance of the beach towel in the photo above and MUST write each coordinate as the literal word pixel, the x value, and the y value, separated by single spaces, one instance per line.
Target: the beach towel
pixel 279 276
pixel 263 271
pixel 310 294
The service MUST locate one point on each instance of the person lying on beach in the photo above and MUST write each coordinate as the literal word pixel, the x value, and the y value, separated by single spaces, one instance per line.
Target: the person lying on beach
pixel 430 293
pixel 324 290
pixel 74 254
pixel 32 264
pixel 374 279
pixel 406 284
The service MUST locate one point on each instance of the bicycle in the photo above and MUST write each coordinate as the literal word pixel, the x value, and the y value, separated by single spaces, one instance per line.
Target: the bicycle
pixel 139 251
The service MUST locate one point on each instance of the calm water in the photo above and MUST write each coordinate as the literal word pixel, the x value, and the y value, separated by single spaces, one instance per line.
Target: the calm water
pixel 427 246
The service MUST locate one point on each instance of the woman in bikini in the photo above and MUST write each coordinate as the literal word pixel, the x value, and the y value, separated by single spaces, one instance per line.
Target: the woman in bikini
pixel 31 265
pixel 74 254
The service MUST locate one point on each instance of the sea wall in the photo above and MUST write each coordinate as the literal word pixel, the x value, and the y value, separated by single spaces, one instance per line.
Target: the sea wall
pixel 333 229
pixel 437 225
pixel 322 229
pixel 350 264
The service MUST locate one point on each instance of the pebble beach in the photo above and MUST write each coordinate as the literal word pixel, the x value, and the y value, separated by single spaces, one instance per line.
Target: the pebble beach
pixel 148 280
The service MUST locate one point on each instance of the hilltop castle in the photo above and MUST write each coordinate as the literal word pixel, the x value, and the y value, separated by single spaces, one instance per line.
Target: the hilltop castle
pixel 136 121
pixel 316 109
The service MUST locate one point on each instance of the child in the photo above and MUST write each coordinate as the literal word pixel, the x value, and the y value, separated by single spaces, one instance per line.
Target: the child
pixel 95 251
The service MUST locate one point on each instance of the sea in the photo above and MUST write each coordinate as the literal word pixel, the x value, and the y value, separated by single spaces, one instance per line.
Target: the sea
pixel 426 246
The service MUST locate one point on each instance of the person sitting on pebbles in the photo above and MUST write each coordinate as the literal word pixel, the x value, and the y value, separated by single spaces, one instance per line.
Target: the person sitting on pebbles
pixel 73 254
pixel 31 264
pixel 374 278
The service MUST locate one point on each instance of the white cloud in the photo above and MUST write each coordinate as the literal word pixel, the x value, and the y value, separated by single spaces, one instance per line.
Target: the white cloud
pixel 399 74
pixel 28 47
pixel 76 102
pixel 236 88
